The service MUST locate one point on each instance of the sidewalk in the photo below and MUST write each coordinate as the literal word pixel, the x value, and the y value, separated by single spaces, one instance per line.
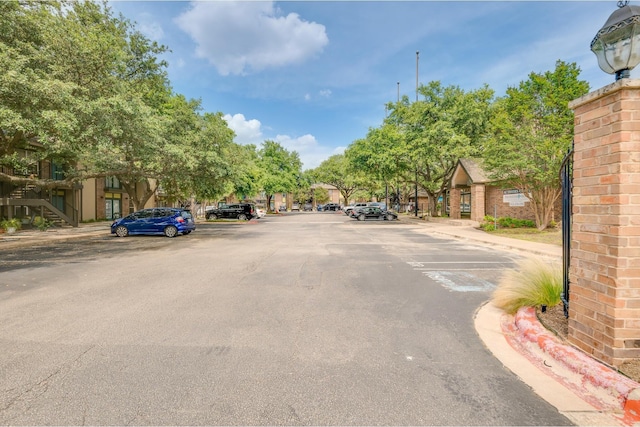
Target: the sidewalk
pixel 586 391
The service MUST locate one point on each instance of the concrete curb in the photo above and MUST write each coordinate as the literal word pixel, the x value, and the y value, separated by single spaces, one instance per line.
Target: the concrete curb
pixel 599 385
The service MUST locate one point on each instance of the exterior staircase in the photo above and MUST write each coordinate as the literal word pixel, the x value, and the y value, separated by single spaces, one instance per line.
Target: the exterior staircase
pixel 30 196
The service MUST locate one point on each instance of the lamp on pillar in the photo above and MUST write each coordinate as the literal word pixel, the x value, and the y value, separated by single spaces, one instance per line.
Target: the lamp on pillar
pixel 617 43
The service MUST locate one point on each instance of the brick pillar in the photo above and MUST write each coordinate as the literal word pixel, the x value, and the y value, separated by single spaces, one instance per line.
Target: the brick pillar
pixel 454 203
pixel 604 305
pixel 477 202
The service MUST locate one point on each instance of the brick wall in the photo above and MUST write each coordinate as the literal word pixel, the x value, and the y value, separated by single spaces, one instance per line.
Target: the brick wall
pixel 494 202
pixel 604 309
pixel 454 201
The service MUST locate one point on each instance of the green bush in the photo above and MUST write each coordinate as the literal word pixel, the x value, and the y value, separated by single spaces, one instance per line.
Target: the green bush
pixel 11 223
pixel 533 284
pixel 515 223
pixel 43 224
pixel 489 223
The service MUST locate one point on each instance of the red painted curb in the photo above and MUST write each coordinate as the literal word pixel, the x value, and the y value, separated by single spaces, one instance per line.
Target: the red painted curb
pixel 525 328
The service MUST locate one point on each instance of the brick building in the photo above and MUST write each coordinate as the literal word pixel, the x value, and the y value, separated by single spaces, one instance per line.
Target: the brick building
pixel 472 194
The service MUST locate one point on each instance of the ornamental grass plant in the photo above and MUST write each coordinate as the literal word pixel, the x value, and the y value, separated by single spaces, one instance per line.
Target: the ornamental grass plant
pixel 533 283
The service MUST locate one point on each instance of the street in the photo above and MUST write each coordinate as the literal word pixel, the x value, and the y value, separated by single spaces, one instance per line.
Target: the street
pixel 300 319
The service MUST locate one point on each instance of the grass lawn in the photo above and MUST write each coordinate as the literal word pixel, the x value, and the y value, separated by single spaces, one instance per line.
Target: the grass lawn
pixel 552 236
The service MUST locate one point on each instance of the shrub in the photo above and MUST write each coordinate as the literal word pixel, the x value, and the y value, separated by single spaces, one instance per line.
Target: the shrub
pixel 42 223
pixel 533 283
pixel 515 223
pixel 11 223
pixel 488 223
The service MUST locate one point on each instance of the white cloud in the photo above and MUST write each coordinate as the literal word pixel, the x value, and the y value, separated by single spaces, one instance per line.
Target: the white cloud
pixel 310 151
pixel 247 131
pixel 149 27
pixel 240 37
pixel 325 93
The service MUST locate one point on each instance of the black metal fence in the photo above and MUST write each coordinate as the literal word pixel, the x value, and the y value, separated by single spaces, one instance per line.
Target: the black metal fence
pixel 566 179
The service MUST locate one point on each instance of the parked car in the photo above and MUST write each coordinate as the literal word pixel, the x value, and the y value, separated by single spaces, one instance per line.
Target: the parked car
pixel 241 211
pixel 381 205
pixel 347 209
pixel 373 212
pixel 283 208
pixel 331 207
pixel 260 213
pixel 308 207
pixel 295 207
pixel 319 208
pixel 167 221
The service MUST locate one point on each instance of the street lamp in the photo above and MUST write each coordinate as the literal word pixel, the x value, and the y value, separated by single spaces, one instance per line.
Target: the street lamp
pixel 616 44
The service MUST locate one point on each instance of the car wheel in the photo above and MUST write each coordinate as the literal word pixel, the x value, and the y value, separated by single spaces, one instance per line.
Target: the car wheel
pixel 186 232
pixel 390 217
pixel 170 231
pixel 361 217
pixel 381 218
pixel 212 216
pixel 242 217
pixel 121 231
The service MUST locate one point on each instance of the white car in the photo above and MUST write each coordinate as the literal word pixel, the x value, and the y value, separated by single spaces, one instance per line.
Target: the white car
pixel 347 209
pixel 261 213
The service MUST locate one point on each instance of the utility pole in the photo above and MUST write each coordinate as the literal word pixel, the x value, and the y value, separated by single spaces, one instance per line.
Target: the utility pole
pixel 416 166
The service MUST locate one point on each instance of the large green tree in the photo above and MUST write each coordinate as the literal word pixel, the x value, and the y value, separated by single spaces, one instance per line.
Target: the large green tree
pixel 381 158
pixel 447 124
pixel 280 169
pixel 532 130
pixel 37 105
pixel 87 91
pixel 337 171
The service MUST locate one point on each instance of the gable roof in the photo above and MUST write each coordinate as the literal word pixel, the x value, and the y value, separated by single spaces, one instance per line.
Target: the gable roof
pixel 469 171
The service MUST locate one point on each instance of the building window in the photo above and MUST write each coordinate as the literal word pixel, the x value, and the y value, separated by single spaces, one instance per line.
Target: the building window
pixel 112 182
pixel 57 172
pixel 113 205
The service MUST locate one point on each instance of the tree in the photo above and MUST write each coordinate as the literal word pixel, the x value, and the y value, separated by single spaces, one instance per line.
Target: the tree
pixel 280 169
pixel 380 157
pixel 437 131
pixel 36 105
pixel 337 171
pixel 303 192
pixel 320 195
pixel 532 130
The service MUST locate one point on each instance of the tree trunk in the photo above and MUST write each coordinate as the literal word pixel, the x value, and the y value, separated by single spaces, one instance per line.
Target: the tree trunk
pixel 269 197
pixel 139 192
pixel 542 203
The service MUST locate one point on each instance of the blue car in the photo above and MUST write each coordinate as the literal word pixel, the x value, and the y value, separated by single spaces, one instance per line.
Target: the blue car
pixel 167 221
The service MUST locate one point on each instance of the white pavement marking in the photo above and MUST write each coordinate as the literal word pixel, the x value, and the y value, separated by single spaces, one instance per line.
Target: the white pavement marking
pixel 459 281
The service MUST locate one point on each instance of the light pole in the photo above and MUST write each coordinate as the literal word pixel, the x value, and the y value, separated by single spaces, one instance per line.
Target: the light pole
pixel 616 44
pixel 416 183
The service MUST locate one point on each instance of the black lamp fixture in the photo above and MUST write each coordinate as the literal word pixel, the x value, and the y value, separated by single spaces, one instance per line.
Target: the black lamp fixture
pixel 617 44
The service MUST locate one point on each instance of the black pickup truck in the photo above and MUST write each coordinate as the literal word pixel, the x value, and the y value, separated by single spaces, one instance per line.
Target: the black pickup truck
pixel 241 211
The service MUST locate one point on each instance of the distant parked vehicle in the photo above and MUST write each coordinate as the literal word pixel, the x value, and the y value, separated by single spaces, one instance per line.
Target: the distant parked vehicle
pixel 260 213
pixel 295 207
pixel 331 207
pixel 241 211
pixel 347 209
pixel 308 207
pixel 319 208
pixel 381 205
pixel 167 221
pixel 283 208
pixel 372 213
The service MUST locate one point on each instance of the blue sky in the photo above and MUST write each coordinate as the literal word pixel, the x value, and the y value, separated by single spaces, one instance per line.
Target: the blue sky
pixel 316 75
